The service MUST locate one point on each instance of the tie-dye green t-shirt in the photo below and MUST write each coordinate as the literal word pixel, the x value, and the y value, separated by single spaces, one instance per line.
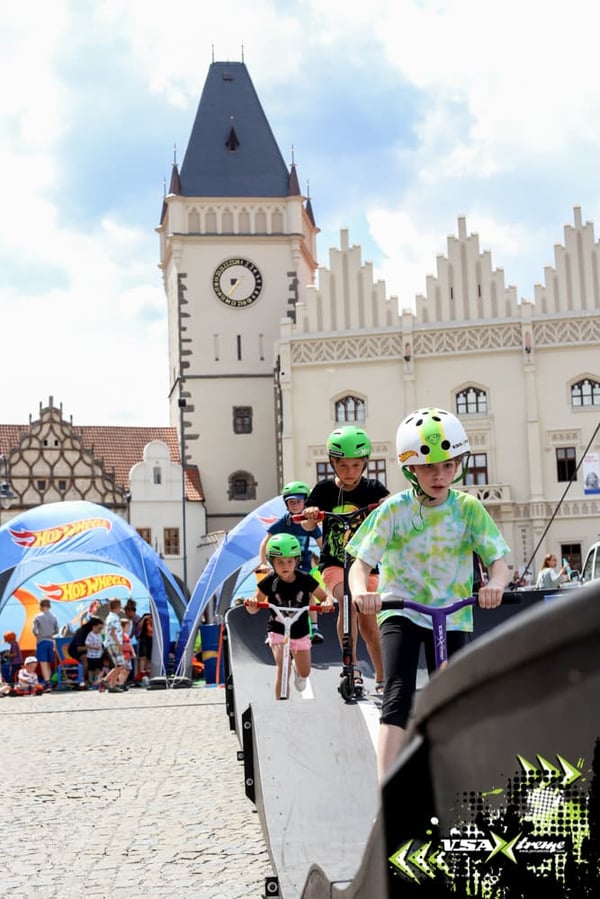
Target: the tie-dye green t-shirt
pixel 426 553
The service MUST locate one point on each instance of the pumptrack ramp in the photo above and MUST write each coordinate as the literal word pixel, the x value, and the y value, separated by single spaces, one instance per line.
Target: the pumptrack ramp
pixel 309 762
pixel 497 785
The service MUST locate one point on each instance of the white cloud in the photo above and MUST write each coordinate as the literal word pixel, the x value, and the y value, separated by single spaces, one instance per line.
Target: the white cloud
pixel 503 114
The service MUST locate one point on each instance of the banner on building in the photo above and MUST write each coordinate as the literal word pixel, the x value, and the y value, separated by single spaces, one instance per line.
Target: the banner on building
pixel 591 473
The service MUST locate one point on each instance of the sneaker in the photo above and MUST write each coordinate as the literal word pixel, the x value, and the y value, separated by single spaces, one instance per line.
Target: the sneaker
pixel 300 683
pixel 115 690
pixel 379 688
pixel 316 636
pixel 101 686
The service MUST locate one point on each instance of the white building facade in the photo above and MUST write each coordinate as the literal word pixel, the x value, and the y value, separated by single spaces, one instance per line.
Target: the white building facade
pixel 524 378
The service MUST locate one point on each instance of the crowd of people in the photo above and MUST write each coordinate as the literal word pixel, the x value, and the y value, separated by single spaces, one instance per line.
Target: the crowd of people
pixel 105 653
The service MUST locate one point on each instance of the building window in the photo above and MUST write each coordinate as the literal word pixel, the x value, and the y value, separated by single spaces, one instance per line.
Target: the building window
pixel 471 402
pixel 324 471
pixel 350 409
pixel 572 553
pixel 242 486
pixel 41 486
pixel 242 419
pixel 62 486
pixel 585 393
pixel 156 475
pixel 145 534
pixel 376 469
pixel 477 469
pixel 565 463
pixel 171 541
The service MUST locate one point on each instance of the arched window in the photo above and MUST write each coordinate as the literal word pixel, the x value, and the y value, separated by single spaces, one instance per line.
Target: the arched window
pixel 349 409
pixel 242 485
pixel 471 401
pixel 585 393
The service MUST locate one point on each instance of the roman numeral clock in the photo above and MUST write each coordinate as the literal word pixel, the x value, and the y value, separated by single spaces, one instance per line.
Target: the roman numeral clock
pixel 237 283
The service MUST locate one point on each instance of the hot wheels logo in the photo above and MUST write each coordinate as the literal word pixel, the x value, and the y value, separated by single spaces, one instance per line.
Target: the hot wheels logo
pixel 50 536
pixel 84 587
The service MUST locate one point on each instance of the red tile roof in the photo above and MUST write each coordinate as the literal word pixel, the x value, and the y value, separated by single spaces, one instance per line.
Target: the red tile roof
pixel 119 447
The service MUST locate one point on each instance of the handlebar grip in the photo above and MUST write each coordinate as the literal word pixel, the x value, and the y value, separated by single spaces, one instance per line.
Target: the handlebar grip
pixel 302 517
pixel 259 605
pixel 392 604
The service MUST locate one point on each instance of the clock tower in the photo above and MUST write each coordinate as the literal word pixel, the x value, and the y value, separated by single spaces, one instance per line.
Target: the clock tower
pixel 237 248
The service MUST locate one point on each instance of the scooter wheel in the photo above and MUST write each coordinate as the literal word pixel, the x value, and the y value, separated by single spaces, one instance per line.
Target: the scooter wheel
pixel 346 689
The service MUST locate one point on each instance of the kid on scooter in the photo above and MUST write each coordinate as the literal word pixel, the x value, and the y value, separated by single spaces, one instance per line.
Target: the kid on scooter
pixel 423 539
pixel 290 588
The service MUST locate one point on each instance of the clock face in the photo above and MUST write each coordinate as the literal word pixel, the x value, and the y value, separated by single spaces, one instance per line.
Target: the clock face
pixel 237 283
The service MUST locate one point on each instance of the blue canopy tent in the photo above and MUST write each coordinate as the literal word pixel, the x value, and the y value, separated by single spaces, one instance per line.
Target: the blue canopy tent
pixel 229 565
pixel 78 555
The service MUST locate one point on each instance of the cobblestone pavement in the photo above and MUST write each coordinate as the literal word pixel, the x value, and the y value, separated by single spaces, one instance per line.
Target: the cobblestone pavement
pixel 126 796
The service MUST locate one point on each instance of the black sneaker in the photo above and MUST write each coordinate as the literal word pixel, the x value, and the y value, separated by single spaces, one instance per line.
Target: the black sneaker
pixel 316 636
pixel 115 690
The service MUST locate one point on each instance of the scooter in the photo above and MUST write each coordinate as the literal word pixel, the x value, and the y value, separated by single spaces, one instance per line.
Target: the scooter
pixel 287 617
pixel 348 689
pixel 439 615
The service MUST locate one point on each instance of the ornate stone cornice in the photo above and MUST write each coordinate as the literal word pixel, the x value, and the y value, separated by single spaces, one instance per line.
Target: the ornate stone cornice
pixel 457 338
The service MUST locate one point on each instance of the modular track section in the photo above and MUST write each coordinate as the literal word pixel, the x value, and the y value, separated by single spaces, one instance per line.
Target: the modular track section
pixel 510 730
pixel 309 761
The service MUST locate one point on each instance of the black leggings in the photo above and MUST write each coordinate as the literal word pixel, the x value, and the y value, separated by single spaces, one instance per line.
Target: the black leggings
pixel 401 641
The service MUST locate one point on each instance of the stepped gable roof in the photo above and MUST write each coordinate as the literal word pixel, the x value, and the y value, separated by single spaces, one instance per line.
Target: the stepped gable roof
pixel 231 151
pixel 119 447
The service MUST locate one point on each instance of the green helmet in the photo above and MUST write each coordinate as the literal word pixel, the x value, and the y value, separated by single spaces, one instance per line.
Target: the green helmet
pixel 283 546
pixel 295 490
pixel 349 443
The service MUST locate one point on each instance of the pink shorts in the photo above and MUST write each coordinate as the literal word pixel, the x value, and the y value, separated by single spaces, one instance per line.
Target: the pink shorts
pixel 295 645
pixel 334 575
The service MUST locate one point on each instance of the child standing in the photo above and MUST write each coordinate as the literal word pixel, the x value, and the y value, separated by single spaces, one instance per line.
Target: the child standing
pixel 349 449
pixel 424 539
pixel 45 629
pixel 291 588
pixel 128 649
pixel 294 496
pixel 95 650
pixel 15 656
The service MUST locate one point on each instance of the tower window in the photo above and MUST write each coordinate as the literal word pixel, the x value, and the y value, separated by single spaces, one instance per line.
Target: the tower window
pixel 242 486
pixel 242 419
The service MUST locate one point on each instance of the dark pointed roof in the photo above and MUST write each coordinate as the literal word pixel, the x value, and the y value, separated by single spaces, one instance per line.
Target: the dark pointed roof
pixel 310 213
pixel 294 185
pixel 232 151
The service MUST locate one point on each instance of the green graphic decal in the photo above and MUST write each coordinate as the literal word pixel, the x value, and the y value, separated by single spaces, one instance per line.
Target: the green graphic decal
pixel 537 835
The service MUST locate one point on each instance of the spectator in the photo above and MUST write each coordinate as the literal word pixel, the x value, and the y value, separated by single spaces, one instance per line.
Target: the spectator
pixel 133 617
pixel 45 629
pixel 549 578
pixel 95 651
pixel 14 656
pixel 113 641
pixel 145 647
pixel 27 679
pixel 128 649
pixel 78 648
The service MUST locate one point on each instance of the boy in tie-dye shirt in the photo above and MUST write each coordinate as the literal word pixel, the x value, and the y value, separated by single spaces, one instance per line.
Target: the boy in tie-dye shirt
pixel 423 540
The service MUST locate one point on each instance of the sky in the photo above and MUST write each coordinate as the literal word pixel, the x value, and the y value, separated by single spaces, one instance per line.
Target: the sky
pixel 401 116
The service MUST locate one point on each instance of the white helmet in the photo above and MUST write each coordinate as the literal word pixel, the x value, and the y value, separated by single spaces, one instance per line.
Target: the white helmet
pixel 428 436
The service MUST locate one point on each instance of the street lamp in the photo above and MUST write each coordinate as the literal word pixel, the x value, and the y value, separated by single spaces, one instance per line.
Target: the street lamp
pixel 7 497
